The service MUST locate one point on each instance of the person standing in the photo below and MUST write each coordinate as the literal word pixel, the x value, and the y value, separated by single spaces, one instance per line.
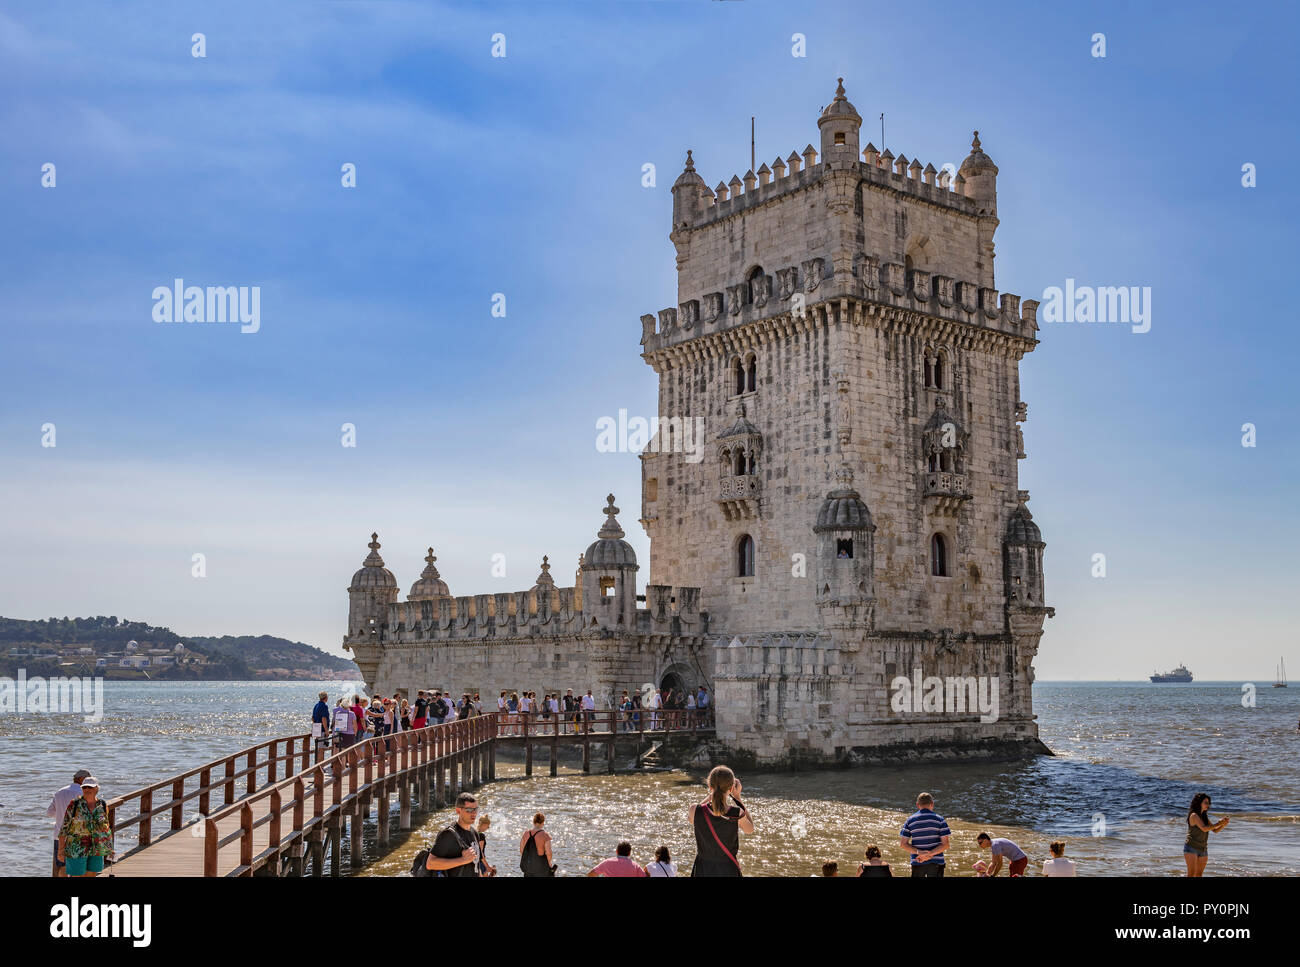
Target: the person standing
pixel 588 710
pixel 663 864
pixel 875 866
pixel 718 825
pixel 620 864
pixel 58 807
pixel 438 710
pixel 1016 858
pixel 320 721
pixel 484 867
pixel 1058 865
pixel 690 710
pixel 703 702
pixel 1196 849
pixel 456 851
pixel 344 725
pixel 359 711
pixel 85 838
pixel 420 717
pixel 925 835
pixel 656 703
pixel 535 857
pixel 570 711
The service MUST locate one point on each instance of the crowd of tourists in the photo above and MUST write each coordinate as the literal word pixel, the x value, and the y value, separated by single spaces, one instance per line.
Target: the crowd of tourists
pixel 353 720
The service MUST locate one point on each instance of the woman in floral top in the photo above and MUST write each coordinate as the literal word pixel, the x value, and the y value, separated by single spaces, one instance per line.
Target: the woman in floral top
pixel 86 840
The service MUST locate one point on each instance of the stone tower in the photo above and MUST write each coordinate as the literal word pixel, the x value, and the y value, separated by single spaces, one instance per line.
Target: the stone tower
pixel 837 326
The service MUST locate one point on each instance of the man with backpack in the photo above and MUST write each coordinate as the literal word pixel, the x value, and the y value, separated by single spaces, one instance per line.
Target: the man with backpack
pixel 345 725
pixel 456 851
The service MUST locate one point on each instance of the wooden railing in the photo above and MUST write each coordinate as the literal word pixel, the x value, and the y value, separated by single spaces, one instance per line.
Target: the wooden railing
pixel 603 722
pixel 293 808
pixel 271 761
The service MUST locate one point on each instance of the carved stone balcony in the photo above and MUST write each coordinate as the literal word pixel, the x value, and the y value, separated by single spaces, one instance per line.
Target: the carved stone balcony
pixel 944 491
pixel 738 496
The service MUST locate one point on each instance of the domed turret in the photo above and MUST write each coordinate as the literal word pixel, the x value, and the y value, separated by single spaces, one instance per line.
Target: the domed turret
pixel 1022 552
pixel 608 573
pixel 981 177
pixel 373 575
pixel 609 550
pixel 839 124
pixel 430 586
pixel 845 554
pixel 689 193
pixel 372 590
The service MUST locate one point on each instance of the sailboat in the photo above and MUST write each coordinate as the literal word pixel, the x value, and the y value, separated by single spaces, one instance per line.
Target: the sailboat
pixel 1281 675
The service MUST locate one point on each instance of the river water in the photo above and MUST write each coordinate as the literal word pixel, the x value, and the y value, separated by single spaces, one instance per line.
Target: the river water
pixel 1129 758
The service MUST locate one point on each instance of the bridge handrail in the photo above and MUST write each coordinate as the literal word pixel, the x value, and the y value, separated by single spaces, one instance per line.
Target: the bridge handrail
pixel 394 757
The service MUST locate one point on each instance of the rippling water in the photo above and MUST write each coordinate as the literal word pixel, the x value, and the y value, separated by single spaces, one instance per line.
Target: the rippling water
pixel 1134 753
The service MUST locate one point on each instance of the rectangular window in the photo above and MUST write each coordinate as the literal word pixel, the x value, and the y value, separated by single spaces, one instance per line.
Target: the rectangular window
pixel 844 548
pixel 606 587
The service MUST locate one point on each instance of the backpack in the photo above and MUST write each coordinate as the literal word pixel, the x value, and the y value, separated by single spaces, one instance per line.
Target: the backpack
pixel 533 859
pixel 417 865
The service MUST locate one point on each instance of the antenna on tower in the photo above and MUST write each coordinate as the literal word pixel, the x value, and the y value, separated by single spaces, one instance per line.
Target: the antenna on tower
pixel 882 130
pixel 751 142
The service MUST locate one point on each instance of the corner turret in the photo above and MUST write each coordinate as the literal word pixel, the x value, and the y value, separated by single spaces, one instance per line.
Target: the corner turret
pixel 609 575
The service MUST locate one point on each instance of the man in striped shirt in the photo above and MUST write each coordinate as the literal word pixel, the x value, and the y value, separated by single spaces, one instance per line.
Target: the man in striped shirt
pixel 925 835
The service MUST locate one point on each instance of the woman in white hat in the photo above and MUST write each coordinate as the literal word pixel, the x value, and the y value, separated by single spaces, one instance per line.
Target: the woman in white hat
pixel 86 838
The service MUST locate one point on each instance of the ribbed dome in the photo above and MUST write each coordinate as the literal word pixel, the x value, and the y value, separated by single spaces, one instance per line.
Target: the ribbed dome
pixel 843 508
pixel 373 575
pixel 430 586
pixel 610 550
pixel 689 176
pixel 977 160
pixel 1021 529
pixel 841 107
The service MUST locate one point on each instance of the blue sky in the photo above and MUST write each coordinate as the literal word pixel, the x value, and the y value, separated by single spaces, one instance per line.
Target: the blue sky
pixel 522 175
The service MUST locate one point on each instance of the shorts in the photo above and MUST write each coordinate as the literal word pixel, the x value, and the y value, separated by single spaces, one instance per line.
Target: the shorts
pixel 80 865
pixel 1017 867
pixel 1196 852
pixel 927 870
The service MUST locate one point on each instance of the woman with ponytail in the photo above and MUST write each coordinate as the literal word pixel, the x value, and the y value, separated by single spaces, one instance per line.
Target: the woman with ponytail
pixel 718 825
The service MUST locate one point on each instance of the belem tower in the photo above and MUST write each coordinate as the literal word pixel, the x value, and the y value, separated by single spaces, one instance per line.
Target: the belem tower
pixel 855 524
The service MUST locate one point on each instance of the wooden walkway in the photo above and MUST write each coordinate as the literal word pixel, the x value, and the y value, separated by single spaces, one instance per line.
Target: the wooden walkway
pixel 297 802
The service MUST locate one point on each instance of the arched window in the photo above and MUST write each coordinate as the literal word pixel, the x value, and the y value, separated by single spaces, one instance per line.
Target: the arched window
pixel 738 375
pixel 751 373
pixel 929 371
pixel 933 464
pixel 945 461
pixel 745 556
pixel 938 556
pixel 740 462
pixel 749 468
pixel 938 371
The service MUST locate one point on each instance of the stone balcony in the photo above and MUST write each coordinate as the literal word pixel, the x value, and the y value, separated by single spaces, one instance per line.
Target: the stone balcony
pixel 944 491
pixel 738 496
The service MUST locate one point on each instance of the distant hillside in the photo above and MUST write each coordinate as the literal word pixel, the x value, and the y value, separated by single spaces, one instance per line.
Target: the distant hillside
pixel 44 646
pixel 264 651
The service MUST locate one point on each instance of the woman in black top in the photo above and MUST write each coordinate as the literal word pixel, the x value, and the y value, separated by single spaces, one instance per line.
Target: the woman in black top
pixel 718 826
pixel 874 866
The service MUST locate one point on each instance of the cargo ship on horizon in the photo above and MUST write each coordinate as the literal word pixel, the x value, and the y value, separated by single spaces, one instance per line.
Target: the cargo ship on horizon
pixel 1179 674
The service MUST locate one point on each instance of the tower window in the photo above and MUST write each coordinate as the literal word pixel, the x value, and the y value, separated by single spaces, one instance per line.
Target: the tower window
pixel 839 137
pixel 844 548
pixel 738 375
pixel 751 373
pixel 938 372
pixel 745 557
pixel 606 587
pixel 929 371
pixel 938 556
pixel 740 463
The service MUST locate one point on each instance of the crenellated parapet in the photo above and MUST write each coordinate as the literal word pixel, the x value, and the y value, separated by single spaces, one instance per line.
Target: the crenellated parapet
pixel 795 290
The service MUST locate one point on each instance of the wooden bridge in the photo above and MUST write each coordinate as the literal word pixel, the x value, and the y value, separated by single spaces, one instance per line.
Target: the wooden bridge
pixel 298 798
